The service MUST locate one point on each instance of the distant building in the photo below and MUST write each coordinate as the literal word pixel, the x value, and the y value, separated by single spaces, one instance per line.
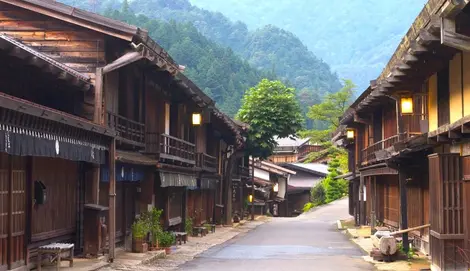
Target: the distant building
pixel 291 150
pixel 300 184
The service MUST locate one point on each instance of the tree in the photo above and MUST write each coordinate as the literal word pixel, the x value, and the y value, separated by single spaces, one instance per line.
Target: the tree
pixel 271 110
pixel 333 106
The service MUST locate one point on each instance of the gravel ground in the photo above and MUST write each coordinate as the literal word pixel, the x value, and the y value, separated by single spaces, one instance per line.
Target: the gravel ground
pixel 187 252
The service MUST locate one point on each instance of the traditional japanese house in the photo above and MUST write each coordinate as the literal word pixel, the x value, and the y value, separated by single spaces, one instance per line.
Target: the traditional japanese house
pixel 101 85
pixel 292 150
pixel 49 145
pixel 407 137
pixel 300 184
pixel 270 183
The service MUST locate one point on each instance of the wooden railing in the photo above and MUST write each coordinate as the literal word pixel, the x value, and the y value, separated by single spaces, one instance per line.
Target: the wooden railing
pixel 126 129
pixel 368 154
pixel 207 162
pixel 169 147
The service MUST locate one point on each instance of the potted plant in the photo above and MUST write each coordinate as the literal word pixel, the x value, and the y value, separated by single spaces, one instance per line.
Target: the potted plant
pixel 152 219
pixel 139 232
pixel 165 240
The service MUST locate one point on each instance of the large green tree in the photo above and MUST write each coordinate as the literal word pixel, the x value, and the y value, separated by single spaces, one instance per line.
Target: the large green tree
pixel 271 109
pixel 329 112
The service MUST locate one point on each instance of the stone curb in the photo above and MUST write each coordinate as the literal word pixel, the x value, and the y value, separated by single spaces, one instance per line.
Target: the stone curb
pixel 154 257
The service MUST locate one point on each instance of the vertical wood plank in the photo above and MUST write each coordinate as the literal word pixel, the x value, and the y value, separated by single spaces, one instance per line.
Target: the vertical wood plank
pixel 98 112
pixel 112 200
pixel 10 212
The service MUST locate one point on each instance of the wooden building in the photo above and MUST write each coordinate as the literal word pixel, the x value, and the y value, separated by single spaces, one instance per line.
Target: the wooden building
pixel 407 137
pixel 290 150
pixel 300 184
pixel 96 114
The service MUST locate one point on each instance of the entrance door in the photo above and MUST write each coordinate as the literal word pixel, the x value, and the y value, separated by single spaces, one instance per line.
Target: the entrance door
pixel 12 211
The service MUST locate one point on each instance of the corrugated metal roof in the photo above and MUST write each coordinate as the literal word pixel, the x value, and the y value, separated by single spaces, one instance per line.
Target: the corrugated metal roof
pixel 321 169
pixel 289 142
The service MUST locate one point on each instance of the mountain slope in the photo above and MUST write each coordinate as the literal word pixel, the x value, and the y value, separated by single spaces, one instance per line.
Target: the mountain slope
pixel 356 37
pixel 221 74
pixel 286 56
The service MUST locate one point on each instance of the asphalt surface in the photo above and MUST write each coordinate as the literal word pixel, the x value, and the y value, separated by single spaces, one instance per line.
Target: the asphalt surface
pixel 307 242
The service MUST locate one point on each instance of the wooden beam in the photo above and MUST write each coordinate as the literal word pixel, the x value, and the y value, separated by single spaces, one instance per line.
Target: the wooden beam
pixel 451 38
pixel 443 138
pixel 403 66
pixel 454 134
pixel 426 38
pixel 359 119
pixel 410 58
pixel 112 200
pixel 98 116
pixel 450 9
pixel 465 129
pixel 122 61
pixel 416 48
pixel 373 84
pixel 397 73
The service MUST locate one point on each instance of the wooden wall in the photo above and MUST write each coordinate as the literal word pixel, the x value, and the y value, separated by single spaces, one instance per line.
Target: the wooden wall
pixel 432 102
pixel 455 88
pixel 390 121
pixel 57 217
pixel 391 200
pixel 13 177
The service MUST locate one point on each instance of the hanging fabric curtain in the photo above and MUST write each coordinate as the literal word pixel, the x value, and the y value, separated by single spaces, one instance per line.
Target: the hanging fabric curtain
pixel 26 142
pixel 177 179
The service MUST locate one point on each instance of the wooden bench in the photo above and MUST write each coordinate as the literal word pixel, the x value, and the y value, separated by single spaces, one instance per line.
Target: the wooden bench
pixel 56 249
pixel 181 236
pixel 212 228
pixel 199 230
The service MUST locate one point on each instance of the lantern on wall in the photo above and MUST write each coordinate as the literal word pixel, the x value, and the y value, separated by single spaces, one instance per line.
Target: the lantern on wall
pixel 350 134
pixel 276 188
pixel 197 119
pixel 250 198
pixel 406 105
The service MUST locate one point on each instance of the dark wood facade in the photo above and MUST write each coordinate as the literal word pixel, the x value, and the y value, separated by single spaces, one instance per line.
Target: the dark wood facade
pixel 428 150
pixel 96 112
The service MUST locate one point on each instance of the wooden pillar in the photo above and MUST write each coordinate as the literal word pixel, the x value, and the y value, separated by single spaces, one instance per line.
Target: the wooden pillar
pixel 11 245
pixel 184 211
pixel 98 112
pixel 373 200
pixel 403 207
pixel 362 211
pixel 112 200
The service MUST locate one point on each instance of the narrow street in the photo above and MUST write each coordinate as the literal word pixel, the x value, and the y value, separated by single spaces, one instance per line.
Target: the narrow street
pixel 308 242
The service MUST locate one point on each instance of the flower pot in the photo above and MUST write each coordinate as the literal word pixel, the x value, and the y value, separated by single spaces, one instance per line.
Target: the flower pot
pixel 139 246
pixel 168 250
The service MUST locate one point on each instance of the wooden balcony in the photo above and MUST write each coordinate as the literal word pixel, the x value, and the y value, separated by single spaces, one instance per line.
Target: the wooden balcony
pixel 127 130
pixel 207 163
pixel 369 154
pixel 170 148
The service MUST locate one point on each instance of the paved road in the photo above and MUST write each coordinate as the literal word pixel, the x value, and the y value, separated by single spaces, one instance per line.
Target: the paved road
pixel 308 242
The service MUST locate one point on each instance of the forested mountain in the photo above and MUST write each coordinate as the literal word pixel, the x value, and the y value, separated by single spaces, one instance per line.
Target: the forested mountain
pixel 355 37
pixel 217 70
pixel 269 48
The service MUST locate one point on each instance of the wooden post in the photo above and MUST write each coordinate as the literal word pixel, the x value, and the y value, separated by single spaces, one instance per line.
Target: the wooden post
pixel 98 113
pixel 403 207
pixel 362 211
pixel 95 184
pixel 112 200
pixel 11 246
pixel 184 211
pixel 373 200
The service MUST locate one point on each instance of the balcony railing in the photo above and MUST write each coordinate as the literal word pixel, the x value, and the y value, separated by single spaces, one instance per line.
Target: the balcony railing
pixel 127 130
pixel 368 154
pixel 207 162
pixel 169 147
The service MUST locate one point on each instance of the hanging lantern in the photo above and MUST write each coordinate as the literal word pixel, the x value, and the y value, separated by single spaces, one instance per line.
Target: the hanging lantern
pixel 406 105
pixel 350 134
pixel 197 119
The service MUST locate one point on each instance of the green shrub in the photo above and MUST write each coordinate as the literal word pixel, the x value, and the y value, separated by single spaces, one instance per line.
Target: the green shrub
pixel 188 227
pixel 139 229
pixel 308 206
pixel 166 239
pixel 318 194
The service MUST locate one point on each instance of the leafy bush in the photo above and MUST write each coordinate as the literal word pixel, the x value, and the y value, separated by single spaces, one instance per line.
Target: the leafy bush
pixel 318 194
pixel 139 228
pixel 308 206
pixel 166 239
pixel 188 227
